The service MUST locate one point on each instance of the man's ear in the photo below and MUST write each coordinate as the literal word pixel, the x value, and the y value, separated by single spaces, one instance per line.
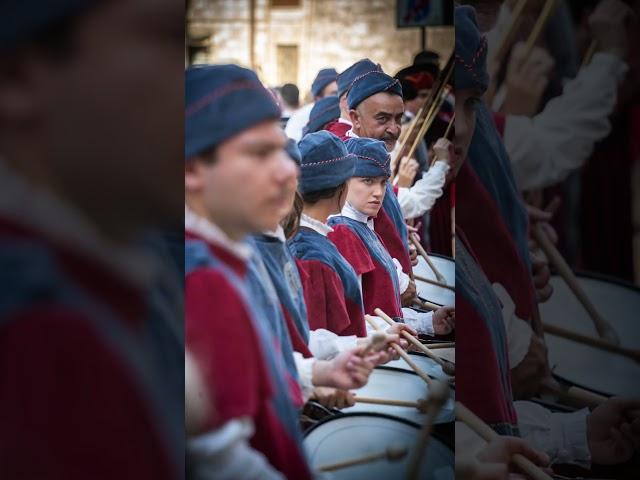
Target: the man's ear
pixel 355 118
pixel 193 176
pixel 18 96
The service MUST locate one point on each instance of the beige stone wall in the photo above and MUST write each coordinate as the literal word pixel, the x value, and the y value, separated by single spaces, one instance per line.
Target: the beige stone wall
pixel 328 33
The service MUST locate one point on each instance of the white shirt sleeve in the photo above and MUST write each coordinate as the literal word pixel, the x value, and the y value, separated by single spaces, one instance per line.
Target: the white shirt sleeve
pixel 421 322
pixel 403 278
pixel 304 366
pixel 518 331
pixel 297 122
pixel 418 200
pixel 324 345
pixel 546 148
pixel 562 436
pixel 226 453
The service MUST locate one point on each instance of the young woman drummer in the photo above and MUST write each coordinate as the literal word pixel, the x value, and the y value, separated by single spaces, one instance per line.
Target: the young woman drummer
pixel 353 234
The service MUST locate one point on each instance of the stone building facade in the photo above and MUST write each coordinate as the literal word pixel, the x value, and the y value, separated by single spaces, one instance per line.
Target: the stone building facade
pixel 293 39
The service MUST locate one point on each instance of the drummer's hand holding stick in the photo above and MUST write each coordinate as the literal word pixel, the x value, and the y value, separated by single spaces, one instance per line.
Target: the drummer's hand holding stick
pixel 401 352
pixel 447 367
pixel 613 431
pixel 350 369
pixel 518 455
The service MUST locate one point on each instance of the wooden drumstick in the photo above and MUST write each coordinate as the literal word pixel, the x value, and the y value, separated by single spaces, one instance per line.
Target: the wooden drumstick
pixel 592 342
pixel 438 396
pixel 402 353
pixel 604 328
pixel 543 18
pixel 574 395
pixel 505 40
pixel 391 454
pixel 447 367
pixel 589 53
pixel 426 305
pixel 421 405
pixel 482 429
pixel 414 239
pixel 433 282
pixel 446 135
pixel 434 346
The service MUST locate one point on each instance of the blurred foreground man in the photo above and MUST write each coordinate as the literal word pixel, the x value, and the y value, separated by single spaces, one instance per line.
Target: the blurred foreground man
pixel 91 348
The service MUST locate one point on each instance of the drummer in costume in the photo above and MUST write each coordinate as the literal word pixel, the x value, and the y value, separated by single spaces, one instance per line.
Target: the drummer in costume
pixel 579 437
pixel 324 85
pixel 342 124
pixel 235 173
pixel 362 247
pixel 486 181
pixel 376 108
pixel 322 114
pixel 88 357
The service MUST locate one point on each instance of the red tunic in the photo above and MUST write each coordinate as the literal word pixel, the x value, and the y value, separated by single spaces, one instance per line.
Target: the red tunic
pixel 339 129
pixel 70 405
pixel 388 233
pixel 220 334
pixel 327 305
pixel 377 287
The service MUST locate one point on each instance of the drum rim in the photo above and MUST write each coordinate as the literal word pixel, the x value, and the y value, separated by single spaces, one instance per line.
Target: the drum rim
pixel 435 433
pixel 442 256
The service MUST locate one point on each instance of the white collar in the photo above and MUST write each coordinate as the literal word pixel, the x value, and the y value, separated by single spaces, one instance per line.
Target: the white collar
pixel 351 134
pixel 212 233
pixel 41 210
pixel 350 211
pixel 342 120
pixel 277 233
pixel 315 225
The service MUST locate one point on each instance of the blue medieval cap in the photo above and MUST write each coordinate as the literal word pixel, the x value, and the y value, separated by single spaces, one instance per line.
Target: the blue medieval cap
pixel 326 163
pixel 471 52
pixel 222 101
pixel 324 111
pixel 373 158
pixel 324 78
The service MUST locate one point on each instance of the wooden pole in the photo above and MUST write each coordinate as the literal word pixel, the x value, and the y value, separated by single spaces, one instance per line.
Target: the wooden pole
pixel 592 342
pixel 438 395
pixel 414 239
pixel 604 328
pixel 391 454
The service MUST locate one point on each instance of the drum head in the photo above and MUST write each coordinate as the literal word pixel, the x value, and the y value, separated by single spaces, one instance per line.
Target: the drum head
pixel 432 293
pixel 392 384
pixel 586 366
pixel 350 436
pixel 428 366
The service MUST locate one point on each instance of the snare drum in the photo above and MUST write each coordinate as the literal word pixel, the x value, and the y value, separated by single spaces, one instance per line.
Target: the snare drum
pixel 354 435
pixel 432 293
pixel 585 366
pixel 391 384
pixel 428 366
